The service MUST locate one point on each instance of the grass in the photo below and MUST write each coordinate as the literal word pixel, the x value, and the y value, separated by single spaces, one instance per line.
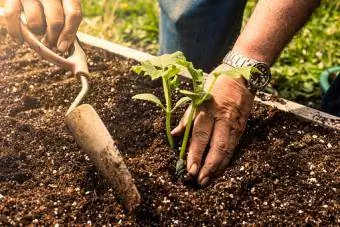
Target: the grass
pixel 134 25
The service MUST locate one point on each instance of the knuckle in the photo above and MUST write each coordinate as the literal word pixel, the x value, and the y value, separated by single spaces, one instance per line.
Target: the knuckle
pixel 242 124
pixel 210 168
pixel 194 156
pixel 35 25
pixel 201 136
pixel 11 14
pixel 57 25
pixel 232 112
pixel 221 147
pixel 32 4
pixel 76 16
pixel 228 114
pixel 232 105
pixel 207 116
pixel 204 114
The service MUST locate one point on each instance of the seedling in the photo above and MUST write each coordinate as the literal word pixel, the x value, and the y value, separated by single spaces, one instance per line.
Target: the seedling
pixel 168 67
pixel 200 94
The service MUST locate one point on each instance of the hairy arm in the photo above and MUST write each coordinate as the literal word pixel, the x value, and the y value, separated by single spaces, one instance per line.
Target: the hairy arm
pixel 271 26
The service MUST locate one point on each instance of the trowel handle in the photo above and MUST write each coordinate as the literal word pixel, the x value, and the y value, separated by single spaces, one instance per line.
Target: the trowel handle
pixel 75 63
pixel 95 140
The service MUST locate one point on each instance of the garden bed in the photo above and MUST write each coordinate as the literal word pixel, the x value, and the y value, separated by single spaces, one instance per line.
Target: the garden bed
pixel 285 170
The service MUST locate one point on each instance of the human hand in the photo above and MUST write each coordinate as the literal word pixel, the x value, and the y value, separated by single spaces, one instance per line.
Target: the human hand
pixel 220 123
pixel 59 19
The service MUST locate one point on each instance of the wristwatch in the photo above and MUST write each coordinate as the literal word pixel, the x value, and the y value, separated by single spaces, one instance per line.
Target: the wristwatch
pixel 256 80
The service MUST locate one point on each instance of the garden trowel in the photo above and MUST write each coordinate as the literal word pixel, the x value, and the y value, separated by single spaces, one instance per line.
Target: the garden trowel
pixel 86 126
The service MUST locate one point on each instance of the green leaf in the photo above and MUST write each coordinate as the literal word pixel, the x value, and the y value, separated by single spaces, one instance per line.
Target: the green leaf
pixel 150 98
pixel 175 82
pixel 180 102
pixel 162 66
pixel 151 70
pixel 148 69
pixel 197 75
pixel 206 96
pixel 203 96
pixel 137 69
pixel 171 72
pixel 237 72
pixel 167 60
pixel 190 94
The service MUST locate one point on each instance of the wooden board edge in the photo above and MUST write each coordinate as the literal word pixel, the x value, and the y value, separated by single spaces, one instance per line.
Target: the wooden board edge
pixel 113 47
pixel 299 110
pixel 2 14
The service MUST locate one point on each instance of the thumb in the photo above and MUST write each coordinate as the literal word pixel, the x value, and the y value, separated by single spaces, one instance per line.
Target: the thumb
pixel 73 17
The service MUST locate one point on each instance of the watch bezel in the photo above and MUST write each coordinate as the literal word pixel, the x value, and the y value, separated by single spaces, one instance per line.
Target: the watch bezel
pixel 259 81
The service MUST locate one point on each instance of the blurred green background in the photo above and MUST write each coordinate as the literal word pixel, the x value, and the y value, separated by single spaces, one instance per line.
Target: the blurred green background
pixel 296 72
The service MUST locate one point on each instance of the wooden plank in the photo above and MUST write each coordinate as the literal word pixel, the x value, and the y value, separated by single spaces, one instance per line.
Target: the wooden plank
pixel 299 110
pixel 113 47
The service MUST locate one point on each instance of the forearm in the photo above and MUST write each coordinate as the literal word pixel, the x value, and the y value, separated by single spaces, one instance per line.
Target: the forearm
pixel 271 26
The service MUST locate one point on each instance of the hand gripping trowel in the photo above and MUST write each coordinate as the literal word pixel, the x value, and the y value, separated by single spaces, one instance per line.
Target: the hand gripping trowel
pixel 86 126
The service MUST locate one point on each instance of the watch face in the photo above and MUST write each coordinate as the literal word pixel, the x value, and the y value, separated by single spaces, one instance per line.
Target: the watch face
pixel 259 80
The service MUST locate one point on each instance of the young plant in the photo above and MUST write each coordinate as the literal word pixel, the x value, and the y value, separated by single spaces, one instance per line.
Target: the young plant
pixel 199 95
pixel 167 68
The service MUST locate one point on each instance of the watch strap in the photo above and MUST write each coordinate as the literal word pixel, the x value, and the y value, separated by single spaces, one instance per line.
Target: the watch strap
pixel 236 60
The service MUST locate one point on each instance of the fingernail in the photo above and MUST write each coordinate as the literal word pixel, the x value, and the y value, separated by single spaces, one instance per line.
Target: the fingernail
pixel 193 169
pixel 62 46
pixel 204 181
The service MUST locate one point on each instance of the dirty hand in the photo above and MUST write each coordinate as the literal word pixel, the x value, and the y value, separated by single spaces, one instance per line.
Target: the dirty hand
pixel 59 19
pixel 218 126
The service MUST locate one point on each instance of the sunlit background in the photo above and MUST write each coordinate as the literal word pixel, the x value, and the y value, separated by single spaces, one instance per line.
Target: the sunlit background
pixel 134 23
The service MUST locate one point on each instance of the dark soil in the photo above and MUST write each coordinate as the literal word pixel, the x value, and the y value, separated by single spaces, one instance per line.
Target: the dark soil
pixel 284 171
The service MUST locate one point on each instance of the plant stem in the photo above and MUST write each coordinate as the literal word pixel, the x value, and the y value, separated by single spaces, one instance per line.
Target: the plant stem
pixel 167 97
pixel 187 131
pixel 207 92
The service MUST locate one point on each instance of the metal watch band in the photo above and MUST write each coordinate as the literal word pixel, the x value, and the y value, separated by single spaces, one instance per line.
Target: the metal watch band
pixel 254 81
pixel 237 60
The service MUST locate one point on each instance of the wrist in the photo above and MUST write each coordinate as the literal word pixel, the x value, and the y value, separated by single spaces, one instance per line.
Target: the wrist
pixel 253 52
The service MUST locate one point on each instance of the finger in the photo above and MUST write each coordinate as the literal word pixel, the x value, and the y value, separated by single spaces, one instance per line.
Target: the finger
pixel 54 15
pixel 180 128
pixel 234 138
pixel 73 17
pixel 201 133
pixel 220 170
pixel 218 152
pixel 35 16
pixel 12 19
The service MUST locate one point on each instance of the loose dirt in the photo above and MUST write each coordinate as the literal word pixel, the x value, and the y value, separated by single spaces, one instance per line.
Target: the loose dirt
pixel 285 171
